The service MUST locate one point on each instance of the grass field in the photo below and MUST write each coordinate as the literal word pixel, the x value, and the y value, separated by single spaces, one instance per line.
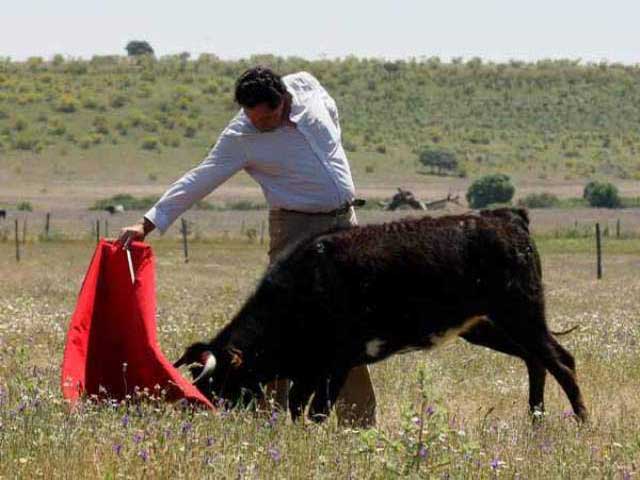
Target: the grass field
pixel 456 412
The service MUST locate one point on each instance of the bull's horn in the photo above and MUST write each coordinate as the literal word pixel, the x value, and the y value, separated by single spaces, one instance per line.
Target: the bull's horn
pixel 181 361
pixel 209 366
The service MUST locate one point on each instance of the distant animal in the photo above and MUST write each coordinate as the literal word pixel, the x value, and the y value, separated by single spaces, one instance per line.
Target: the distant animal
pixel 3 214
pixel 404 198
pixel 358 296
pixel 114 209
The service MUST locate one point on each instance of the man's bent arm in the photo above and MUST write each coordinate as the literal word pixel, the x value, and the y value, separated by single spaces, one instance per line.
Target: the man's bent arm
pixel 224 159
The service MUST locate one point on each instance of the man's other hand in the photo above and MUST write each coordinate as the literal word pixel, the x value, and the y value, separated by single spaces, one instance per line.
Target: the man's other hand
pixel 135 232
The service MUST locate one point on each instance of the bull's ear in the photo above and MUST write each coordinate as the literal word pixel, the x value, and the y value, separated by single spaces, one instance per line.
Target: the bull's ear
pixel 236 357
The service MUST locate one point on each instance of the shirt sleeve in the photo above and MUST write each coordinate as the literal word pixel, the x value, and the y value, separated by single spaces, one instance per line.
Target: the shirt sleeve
pixel 222 161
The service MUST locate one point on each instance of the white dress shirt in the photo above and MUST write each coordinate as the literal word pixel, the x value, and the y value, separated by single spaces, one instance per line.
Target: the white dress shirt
pixel 302 168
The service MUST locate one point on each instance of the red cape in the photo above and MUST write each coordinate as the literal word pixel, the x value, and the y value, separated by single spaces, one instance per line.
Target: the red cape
pixel 112 346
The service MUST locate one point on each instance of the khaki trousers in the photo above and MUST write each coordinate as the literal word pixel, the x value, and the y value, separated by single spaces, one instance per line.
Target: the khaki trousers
pixel 356 405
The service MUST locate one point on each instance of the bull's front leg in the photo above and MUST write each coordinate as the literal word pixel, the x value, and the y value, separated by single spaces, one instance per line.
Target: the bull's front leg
pixel 299 396
pixel 326 394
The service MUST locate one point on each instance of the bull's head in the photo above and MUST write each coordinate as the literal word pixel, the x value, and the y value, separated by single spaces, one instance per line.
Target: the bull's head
pixel 220 374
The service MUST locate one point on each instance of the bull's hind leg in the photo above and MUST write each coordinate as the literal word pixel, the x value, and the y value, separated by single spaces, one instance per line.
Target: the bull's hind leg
pixel 529 331
pixel 326 394
pixel 487 334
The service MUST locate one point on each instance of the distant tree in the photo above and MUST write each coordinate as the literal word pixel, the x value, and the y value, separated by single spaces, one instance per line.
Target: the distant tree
pixel 490 189
pixel 138 47
pixel 601 194
pixel 437 160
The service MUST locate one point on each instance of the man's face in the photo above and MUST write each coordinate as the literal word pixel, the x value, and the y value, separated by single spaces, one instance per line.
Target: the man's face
pixel 263 117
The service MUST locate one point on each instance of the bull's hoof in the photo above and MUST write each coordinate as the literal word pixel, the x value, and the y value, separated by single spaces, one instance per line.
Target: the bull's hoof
pixel 582 416
pixel 318 417
pixel 537 415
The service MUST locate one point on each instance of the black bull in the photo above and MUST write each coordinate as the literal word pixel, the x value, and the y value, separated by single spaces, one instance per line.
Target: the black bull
pixel 358 296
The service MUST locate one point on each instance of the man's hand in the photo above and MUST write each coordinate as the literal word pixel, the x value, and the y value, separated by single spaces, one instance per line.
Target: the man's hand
pixel 135 232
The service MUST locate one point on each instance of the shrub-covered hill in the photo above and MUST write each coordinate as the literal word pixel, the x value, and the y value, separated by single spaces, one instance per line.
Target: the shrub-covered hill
pixel 556 119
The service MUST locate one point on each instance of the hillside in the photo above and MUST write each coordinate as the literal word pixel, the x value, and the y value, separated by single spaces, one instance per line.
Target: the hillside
pixel 113 119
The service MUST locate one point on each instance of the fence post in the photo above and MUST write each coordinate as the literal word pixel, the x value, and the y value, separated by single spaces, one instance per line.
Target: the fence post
pixel 46 225
pixel 17 243
pixel 598 251
pixel 618 228
pixel 97 231
pixel 24 231
pixel 184 241
pixel 106 228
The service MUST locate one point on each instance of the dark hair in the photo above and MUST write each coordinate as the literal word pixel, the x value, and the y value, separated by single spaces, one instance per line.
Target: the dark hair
pixel 259 85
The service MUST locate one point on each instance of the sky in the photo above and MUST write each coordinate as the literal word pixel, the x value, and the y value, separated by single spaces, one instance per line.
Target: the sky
pixel 498 30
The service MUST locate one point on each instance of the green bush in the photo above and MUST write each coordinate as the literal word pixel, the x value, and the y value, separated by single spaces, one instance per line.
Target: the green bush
pixel 20 124
pixel 118 101
pixel 26 141
pixel 170 139
pixel 67 104
pixel 101 125
pixel 602 194
pixel 438 160
pixel 150 143
pixel 24 207
pixel 56 127
pixel 190 130
pixel 496 188
pixel 350 146
pixel 90 102
pixel 539 200
pixel 121 127
pixel 137 118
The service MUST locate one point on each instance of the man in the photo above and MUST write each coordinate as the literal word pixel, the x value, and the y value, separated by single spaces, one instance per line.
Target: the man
pixel 286 137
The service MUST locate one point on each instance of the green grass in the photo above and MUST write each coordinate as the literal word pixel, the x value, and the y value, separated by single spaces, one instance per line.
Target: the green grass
pixel 479 427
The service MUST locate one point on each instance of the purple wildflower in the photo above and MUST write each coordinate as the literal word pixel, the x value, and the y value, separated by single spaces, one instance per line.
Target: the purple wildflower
pixel 275 454
pixel 186 427
pixel 423 451
pixel 167 434
pixel 209 441
pixel 144 454
pixel 430 410
pixel 496 464
pixel 416 421
pixel 138 437
pixel 117 448
pixel 21 407
pixel 273 419
pixel 125 421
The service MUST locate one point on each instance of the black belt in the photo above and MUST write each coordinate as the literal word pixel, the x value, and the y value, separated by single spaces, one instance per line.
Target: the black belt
pixel 346 207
